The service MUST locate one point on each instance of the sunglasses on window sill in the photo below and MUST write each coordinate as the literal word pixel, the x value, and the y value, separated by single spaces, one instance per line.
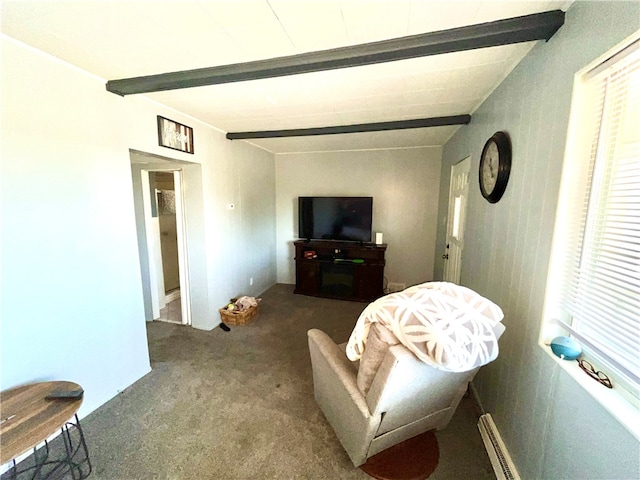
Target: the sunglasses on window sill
pixel 593 373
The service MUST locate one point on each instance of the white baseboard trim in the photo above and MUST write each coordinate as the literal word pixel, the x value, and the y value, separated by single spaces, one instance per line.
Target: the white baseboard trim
pixel 503 465
pixel 173 295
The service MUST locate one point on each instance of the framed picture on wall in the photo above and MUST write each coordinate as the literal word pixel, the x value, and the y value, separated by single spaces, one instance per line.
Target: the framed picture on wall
pixel 174 135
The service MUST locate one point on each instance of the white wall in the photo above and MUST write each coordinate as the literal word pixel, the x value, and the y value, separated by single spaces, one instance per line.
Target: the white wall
pixel 241 242
pixel 551 426
pixel 238 244
pixel 404 185
pixel 72 304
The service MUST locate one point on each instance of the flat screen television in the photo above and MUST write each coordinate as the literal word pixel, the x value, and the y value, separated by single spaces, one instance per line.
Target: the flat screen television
pixel 335 218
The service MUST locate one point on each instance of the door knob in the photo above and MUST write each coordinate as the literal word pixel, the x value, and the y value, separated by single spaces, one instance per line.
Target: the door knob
pixel 445 256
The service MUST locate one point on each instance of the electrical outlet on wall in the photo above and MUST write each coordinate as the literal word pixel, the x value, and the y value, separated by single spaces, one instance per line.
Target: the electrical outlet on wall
pixel 395 287
pixel 251 281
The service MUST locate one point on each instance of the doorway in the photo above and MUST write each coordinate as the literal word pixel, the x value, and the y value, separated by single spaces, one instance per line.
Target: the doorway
pixel 458 193
pixel 166 245
pixel 158 190
pixel 165 191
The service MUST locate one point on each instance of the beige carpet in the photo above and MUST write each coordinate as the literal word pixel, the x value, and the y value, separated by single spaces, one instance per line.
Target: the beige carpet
pixel 239 405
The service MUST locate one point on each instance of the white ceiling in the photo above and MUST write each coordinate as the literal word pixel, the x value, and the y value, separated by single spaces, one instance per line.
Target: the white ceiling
pixel 121 39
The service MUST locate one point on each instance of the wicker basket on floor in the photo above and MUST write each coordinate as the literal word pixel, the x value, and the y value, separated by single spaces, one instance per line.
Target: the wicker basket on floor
pixel 237 318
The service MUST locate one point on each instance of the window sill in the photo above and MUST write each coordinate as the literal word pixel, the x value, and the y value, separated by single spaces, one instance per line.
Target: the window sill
pixel 625 410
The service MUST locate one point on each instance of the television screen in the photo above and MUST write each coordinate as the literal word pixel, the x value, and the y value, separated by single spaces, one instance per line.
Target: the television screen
pixel 335 218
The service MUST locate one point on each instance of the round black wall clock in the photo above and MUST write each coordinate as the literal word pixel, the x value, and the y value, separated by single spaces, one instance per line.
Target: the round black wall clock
pixel 495 166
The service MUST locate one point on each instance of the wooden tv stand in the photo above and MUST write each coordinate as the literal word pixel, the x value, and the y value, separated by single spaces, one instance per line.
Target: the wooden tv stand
pixel 343 270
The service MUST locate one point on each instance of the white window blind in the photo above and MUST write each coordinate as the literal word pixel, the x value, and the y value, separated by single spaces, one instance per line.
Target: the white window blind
pixel 600 300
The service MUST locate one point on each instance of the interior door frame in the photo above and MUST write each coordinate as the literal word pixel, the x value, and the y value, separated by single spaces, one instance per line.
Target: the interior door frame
pixel 183 257
pixel 148 233
pixel 158 297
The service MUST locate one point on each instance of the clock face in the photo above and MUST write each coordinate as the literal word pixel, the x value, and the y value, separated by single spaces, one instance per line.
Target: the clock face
pixel 495 167
pixel 490 164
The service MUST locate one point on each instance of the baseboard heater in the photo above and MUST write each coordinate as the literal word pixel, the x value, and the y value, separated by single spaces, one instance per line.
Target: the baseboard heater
pixel 500 459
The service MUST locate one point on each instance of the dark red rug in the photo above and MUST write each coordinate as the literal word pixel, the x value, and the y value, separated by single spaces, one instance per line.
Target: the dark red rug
pixel 413 459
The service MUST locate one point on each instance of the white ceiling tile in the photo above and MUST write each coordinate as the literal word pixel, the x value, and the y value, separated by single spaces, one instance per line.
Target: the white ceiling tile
pixel 415 137
pixel 253 25
pixel 498 9
pixel 429 110
pixel 230 14
pixel 303 110
pixel 311 25
pixel 433 80
pixel 231 125
pixel 119 39
pixel 148 58
pixel 431 16
pixel 370 21
pixel 140 23
pixel 305 40
pixel 355 117
pixel 12 12
pixel 268 40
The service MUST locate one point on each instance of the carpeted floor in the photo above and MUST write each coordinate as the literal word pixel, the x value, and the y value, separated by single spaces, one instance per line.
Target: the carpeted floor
pixel 239 405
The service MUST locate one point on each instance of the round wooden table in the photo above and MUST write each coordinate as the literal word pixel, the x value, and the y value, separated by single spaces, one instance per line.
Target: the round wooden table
pixel 28 419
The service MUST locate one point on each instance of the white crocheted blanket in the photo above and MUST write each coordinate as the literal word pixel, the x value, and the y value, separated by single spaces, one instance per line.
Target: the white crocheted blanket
pixel 445 325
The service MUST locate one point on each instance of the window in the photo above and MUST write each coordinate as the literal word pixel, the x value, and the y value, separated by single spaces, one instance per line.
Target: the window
pixel 593 292
pixel 457 209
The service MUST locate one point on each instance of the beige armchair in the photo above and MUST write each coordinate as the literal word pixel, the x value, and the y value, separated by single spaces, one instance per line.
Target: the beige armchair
pixel 406 397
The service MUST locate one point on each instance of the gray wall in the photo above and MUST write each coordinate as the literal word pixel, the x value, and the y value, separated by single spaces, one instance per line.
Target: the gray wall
pixel 404 185
pixel 242 242
pixel 72 297
pixel 552 428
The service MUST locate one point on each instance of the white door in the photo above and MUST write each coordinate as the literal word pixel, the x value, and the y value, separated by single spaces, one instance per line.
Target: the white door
pixel 458 192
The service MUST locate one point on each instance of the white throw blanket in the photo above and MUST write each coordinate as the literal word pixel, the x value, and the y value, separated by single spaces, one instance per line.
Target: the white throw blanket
pixel 445 325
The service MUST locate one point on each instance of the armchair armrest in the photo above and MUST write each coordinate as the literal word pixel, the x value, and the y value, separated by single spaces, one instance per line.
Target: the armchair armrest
pixel 336 371
pixel 337 394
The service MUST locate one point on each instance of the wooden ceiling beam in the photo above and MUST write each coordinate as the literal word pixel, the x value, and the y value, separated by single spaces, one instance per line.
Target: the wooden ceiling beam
pixel 538 26
pixel 362 127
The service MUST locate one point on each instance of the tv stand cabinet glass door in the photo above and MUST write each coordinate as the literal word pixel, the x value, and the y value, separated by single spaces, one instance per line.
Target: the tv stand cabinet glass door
pixel 342 270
